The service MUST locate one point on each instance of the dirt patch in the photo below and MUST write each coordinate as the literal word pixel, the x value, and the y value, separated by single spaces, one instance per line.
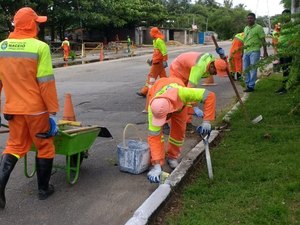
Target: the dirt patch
pixel 174 43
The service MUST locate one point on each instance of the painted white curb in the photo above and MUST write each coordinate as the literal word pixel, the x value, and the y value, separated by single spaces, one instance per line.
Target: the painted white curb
pixel 152 203
pixel 142 215
pixel 228 115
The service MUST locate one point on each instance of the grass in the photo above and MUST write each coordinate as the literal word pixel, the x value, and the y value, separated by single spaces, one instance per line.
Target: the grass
pixel 256 167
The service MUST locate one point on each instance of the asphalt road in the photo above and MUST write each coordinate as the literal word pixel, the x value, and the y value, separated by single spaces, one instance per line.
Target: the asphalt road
pixel 103 93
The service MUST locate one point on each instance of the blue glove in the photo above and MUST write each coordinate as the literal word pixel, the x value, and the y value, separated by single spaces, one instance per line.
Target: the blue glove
pixel 205 128
pixel 53 125
pixel 198 112
pixel 165 64
pixel 154 174
pixel 220 51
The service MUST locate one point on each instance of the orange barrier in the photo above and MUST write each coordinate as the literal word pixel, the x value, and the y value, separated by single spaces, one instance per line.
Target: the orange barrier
pixel 69 113
pixel 101 54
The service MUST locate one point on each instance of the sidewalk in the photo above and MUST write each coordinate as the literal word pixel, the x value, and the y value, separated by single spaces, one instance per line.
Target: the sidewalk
pixel 112 55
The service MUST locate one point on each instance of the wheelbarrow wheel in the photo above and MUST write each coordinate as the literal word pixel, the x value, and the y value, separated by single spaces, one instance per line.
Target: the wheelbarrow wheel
pixel 73 159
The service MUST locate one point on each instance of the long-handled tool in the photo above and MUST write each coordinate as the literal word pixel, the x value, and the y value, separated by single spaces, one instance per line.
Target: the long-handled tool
pixel 207 153
pixel 258 118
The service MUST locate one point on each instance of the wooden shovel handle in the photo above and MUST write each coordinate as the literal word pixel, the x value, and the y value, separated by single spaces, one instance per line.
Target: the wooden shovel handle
pixel 76 130
pixel 228 73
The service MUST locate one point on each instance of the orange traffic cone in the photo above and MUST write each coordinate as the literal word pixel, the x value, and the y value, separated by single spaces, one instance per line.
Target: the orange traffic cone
pixel 101 55
pixel 69 113
pixel 209 81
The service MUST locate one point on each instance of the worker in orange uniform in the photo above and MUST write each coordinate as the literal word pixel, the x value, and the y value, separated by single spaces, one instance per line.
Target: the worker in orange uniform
pixel 190 67
pixel 26 76
pixel 65 45
pixel 158 62
pixel 236 56
pixel 275 37
pixel 168 98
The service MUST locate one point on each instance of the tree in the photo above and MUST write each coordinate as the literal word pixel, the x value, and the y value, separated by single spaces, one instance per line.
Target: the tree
pixel 286 3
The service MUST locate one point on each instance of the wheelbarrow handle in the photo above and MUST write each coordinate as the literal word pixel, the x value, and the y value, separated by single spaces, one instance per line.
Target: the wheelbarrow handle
pixel 4 125
pixel 4 131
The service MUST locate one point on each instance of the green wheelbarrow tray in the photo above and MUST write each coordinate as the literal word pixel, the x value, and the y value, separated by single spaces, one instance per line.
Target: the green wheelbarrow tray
pixel 74 144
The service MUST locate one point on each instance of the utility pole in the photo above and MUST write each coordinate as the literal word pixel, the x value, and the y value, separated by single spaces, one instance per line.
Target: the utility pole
pixel 295 6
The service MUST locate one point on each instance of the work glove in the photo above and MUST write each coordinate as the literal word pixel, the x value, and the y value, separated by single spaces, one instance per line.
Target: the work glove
pixel 205 128
pixel 53 125
pixel 53 130
pixel 154 174
pixel 220 51
pixel 198 112
pixel 165 64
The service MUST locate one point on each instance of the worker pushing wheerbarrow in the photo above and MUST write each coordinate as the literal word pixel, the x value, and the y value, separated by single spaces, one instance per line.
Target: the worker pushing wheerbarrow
pixel 31 105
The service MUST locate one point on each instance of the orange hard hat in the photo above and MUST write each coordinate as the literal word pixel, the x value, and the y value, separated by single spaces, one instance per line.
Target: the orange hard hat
pixel 160 108
pixel 155 32
pixel 221 67
pixel 25 16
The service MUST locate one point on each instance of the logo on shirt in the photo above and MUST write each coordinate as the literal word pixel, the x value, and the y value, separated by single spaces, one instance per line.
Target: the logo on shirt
pixel 4 45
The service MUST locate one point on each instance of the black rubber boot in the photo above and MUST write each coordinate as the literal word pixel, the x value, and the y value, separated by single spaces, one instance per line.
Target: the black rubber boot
pixel 43 172
pixel 7 164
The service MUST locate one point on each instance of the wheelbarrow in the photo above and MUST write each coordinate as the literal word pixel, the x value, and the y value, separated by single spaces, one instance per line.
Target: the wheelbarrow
pixel 73 143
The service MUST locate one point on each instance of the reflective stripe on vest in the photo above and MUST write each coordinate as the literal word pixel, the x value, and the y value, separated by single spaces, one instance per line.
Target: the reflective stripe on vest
pixel 19 55
pixel 45 78
pixel 29 48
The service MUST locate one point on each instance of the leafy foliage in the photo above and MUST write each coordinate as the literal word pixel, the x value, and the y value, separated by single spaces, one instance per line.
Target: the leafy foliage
pixel 110 14
pixel 291 49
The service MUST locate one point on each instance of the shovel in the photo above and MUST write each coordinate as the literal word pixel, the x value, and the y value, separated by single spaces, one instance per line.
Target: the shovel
pixel 256 119
pixel 205 139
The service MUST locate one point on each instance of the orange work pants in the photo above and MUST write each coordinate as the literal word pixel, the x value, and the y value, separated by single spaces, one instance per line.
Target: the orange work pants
pixel 157 70
pixel 176 138
pixel 22 131
pixel 236 63
pixel 66 54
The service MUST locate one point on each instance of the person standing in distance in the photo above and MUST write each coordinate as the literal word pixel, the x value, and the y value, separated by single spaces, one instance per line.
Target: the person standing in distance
pixel 254 39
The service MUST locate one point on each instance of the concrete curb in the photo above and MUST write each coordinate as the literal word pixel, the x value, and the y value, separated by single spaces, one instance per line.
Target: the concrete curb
pixel 228 115
pixel 151 205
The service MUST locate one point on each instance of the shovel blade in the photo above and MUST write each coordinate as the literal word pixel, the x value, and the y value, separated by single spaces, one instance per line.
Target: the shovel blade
pixel 257 119
pixel 104 132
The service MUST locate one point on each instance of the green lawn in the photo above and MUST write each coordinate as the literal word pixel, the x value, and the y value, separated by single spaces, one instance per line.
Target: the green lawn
pixel 256 167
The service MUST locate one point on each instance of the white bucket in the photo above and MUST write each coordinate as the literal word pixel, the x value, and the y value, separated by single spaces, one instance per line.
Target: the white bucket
pixel 133 155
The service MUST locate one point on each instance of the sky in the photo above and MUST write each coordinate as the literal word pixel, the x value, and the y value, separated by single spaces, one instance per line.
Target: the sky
pixel 260 7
